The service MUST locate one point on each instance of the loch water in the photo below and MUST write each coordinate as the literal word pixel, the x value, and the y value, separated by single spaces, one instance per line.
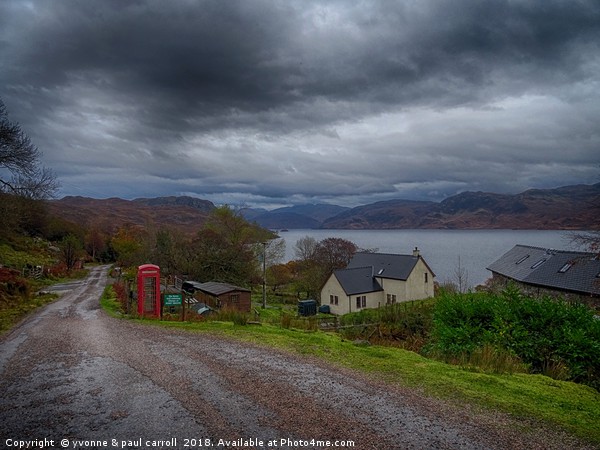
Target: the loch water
pixel 442 249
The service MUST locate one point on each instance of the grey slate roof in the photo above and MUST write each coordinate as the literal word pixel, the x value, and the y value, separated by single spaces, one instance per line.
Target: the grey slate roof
pixel 358 280
pixel 542 267
pixel 214 288
pixel 385 265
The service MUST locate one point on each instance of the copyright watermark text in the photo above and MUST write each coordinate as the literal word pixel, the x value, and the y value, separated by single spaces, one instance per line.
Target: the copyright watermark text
pixel 193 443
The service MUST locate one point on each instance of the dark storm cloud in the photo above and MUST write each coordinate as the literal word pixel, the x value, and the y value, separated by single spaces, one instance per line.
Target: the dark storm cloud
pixel 306 99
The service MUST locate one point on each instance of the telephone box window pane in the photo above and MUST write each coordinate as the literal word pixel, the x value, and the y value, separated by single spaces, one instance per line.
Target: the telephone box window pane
pixel 149 294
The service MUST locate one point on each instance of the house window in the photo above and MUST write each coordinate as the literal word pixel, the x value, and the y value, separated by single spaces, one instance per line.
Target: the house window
pixel 333 300
pixel 426 277
pixel 393 298
pixel 234 298
pixel 361 301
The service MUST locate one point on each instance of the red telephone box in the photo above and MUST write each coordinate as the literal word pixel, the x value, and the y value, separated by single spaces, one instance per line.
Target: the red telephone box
pixel 148 280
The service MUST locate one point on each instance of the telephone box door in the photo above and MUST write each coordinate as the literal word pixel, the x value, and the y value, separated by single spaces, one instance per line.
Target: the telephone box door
pixel 148 290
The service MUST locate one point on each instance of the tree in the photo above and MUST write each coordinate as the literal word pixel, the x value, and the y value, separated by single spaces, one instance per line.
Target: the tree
pixel 70 248
pixel 590 240
pixel 279 275
pixel 334 253
pixel 95 242
pixel 317 260
pixel 228 248
pixel 23 182
pixel 305 248
pixel 21 159
pixel 130 245
pixel 461 277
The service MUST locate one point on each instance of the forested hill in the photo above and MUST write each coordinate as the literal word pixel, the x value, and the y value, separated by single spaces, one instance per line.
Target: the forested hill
pixel 569 207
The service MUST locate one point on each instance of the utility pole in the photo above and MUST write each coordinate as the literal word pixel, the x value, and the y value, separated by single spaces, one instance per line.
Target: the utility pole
pixel 264 302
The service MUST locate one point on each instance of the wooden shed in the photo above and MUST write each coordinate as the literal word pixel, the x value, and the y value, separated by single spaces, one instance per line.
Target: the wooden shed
pixel 220 295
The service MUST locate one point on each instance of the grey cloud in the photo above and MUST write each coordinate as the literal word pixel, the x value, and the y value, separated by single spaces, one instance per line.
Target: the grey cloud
pixel 266 98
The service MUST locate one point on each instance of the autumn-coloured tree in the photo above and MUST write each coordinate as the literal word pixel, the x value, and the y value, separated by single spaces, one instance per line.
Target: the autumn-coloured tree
pixel 71 250
pixel 317 260
pixel 130 244
pixel 279 275
pixel 334 253
pixel 95 242
pixel 228 248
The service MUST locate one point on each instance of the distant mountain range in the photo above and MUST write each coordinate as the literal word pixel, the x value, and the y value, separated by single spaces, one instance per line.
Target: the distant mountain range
pixel 568 207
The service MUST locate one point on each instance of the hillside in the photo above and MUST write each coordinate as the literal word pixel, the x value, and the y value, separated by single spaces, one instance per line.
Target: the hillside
pixel 569 207
pixel 185 214
pixel 297 216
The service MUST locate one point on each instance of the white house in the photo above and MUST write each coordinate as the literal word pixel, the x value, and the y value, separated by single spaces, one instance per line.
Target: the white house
pixel 372 280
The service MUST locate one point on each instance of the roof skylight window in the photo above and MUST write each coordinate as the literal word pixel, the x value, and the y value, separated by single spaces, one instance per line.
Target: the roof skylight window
pixel 539 263
pixel 380 271
pixel 522 259
pixel 566 267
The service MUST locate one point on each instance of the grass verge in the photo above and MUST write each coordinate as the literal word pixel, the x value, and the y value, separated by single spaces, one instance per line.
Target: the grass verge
pixel 13 312
pixel 13 308
pixel 572 407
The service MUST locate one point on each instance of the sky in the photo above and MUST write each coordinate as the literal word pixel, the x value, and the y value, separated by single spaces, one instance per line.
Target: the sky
pixel 272 103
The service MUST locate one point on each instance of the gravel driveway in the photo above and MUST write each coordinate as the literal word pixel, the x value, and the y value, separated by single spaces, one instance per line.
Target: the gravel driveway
pixel 73 377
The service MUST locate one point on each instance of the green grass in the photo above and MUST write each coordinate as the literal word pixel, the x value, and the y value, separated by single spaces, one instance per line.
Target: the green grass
pixel 13 313
pixel 109 302
pixel 17 259
pixel 572 407
pixel 14 308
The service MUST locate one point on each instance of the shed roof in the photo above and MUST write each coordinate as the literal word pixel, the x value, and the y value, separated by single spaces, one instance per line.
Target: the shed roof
pixel 358 280
pixel 215 288
pixel 556 269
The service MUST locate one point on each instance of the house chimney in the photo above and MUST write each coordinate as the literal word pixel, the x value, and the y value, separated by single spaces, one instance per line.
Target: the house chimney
pixel 416 252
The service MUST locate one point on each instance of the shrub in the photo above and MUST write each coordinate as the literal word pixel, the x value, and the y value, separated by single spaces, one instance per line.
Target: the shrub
pixel 405 324
pixel 551 337
pixel 286 320
pixel 121 295
pixel 230 315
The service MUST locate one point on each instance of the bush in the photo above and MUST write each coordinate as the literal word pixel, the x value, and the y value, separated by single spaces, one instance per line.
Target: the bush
pixel 406 324
pixel 551 337
pixel 13 287
pixel 230 315
pixel 121 295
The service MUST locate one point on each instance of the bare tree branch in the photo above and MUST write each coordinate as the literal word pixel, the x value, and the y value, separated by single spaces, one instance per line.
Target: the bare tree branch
pixel 20 158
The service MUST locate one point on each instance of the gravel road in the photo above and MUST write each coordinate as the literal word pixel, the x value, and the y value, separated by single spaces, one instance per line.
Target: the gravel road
pixel 73 377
